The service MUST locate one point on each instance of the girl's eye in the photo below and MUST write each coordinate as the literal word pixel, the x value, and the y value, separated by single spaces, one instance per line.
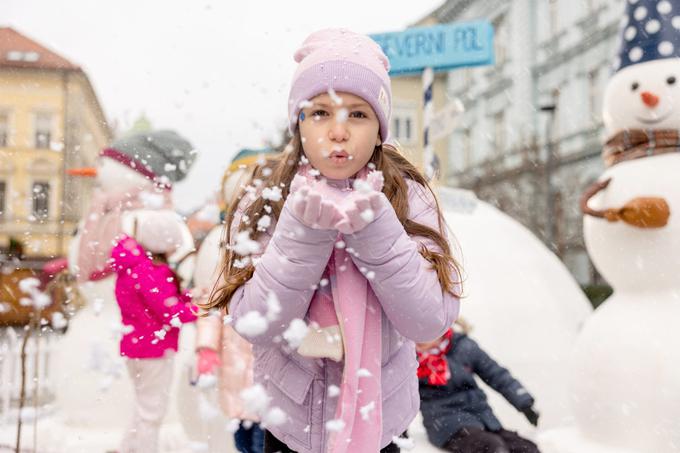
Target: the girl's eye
pixel 358 114
pixel 319 113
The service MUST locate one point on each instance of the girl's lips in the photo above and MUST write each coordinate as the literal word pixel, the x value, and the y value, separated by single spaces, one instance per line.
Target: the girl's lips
pixel 339 157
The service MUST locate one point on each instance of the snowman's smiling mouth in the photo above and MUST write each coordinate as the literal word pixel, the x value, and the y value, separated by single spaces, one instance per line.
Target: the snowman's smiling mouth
pixel 653 120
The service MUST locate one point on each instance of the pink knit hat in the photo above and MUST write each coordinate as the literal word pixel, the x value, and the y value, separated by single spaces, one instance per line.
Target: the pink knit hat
pixel 344 61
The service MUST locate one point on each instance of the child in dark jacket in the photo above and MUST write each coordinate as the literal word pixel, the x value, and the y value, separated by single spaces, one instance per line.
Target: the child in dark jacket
pixel 455 411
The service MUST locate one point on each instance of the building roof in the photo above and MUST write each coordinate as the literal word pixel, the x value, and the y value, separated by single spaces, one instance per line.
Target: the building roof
pixel 19 51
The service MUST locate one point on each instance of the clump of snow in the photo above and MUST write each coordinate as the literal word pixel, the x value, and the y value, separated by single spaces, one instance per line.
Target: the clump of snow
pixel 333 391
pixel 342 115
pixel 335 425
pixel 367 215
pixel 264 222
pixel 58 320
pixel 272 193
pixel 363 372
pixel 255 398
pixel 366 410
pixel 251 324
pixel 273 306
pixel 244 245
pixel 274 417
pixel 206 381
pixel 295 333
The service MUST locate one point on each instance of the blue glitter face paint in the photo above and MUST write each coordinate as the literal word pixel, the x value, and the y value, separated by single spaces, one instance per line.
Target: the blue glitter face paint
pixel 302 116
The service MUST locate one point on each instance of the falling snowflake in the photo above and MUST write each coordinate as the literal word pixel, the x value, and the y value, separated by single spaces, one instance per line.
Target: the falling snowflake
pixel 335 425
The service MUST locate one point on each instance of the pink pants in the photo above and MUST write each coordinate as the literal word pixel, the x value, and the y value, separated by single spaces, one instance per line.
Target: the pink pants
pixel 151 379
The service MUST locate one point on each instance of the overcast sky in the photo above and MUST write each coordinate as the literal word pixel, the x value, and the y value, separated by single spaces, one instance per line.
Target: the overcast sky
pixel 216 71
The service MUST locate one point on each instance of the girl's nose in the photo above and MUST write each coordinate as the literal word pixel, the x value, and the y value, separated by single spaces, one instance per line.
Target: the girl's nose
pixel 338 131
pixel 650 99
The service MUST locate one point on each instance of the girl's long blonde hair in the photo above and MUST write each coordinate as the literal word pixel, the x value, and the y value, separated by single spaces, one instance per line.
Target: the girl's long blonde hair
pixel 280 170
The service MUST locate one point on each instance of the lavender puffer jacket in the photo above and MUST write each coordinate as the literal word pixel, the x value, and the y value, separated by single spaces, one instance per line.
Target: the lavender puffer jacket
pixel 415 309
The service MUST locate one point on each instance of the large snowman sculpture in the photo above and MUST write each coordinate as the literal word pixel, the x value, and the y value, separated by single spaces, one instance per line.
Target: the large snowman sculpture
pixel 133 177
pixel 625 382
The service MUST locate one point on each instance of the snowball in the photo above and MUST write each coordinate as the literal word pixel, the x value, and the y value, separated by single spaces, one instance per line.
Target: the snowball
pixel 295 333
pixel 264 222
pixel 335 425
pixel 337 100
pixel 342 116
pixel 367 215
pixel 206 381
pixel 58 320
pixel 366 410
pixel 275 416
pixel 363 372
pixel 251 324
pixel 255 399
pixel 243 245
pixel 272 193
pixel 333 391
pixel 273 306
pixel 233 425
pixel 29 285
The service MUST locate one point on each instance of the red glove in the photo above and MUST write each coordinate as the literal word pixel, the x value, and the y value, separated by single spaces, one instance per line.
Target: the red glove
pixel 208 361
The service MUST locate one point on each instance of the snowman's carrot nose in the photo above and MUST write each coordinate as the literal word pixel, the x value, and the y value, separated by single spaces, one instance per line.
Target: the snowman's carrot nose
pixel 650 99
pixel 89 172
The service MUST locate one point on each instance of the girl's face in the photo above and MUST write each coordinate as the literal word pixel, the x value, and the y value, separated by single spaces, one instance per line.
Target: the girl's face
pixel 339 134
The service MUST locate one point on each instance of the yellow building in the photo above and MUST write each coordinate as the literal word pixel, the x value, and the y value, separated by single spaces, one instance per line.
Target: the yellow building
pixel 50 120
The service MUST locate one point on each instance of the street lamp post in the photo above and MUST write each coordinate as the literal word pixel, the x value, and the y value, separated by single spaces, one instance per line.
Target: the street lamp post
pixel 548 164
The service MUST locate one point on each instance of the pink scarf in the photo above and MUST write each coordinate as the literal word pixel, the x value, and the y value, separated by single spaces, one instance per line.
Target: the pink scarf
pixel 357 311
pixel 103 223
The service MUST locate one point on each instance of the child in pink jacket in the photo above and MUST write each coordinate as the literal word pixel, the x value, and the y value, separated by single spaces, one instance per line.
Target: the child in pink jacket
pixel 152 307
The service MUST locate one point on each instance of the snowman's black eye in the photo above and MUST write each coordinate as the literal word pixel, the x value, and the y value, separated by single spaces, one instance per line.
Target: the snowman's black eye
pixel 634 86
pixel 670 80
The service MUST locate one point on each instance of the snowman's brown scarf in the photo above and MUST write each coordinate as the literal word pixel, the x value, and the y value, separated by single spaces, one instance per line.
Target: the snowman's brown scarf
pixel 636 143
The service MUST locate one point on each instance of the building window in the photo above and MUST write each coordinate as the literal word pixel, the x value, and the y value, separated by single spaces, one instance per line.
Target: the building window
pixel 41 200
pixel 3 198
pixel 403 125
pixel 499 131
pixel 4 130
pixel 43 130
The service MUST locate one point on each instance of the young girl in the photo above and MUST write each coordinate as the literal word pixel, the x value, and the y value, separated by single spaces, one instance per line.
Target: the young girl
pixel 369 268
pixel 152 308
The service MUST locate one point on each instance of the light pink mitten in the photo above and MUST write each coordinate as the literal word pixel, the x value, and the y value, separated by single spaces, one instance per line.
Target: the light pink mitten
pixel 363 205
pixel 309 208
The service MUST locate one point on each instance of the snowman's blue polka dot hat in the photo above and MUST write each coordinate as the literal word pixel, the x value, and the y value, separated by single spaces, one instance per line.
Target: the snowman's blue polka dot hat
pixel 650 30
